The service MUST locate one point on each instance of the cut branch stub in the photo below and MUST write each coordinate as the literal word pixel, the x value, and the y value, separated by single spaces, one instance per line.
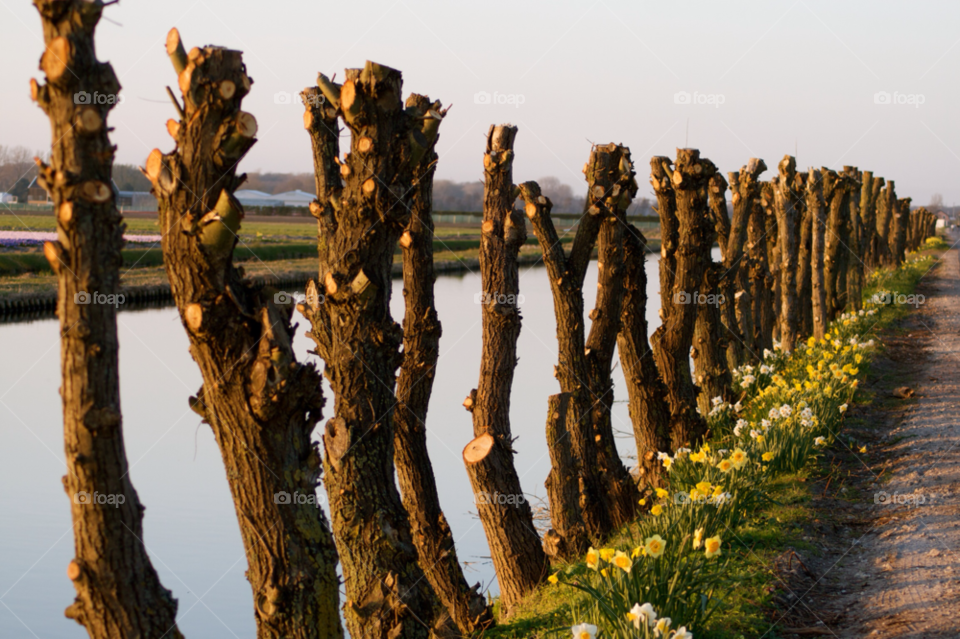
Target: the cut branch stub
pixel 478 449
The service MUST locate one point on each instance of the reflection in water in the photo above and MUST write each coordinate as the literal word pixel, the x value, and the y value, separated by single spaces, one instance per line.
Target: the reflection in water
pixel 190 527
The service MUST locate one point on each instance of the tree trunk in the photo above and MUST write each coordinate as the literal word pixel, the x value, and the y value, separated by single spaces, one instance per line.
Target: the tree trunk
pixel 786 199
pixel 649 410
pixel 745 188
pixel 118 591
pixel 834 193
pixel 868 218
pixel 687 183
pixel 804 257
pixel 421 349
pixel 771 238
pixel 518 557
pixel 901 220
pixel 711 372
pixel 612 185
pixel 853 240
pixel 607 493
pixel 361 215
pixel 760 295
pixel 567 537
pixel 817 210
pixel 261 404
pixel 885 222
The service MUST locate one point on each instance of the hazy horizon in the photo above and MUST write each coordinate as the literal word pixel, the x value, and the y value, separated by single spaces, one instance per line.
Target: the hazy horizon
pixel 821 78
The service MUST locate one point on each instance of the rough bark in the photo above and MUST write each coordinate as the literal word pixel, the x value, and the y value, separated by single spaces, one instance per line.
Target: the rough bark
pixel 649 409
pixel 421 349
pixel 118 591
pixel 817 210
pixel 771 237
pixel 885 223
pixel 711 371
pixel 672 340
pixel 760 294
pixel 901 219
pixel 260 402
pixel 608 493
pixel 612 183
pixel 786 197
pixel 567 537
pixel 868 217
pixel 835 196
pixel 515 547
pixel 804 257
pixel 361 216
pixel 745 188
pixel 572 526
pixel 854 244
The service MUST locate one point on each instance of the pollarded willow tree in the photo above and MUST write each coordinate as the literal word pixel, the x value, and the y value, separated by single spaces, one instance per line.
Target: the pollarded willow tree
pixel 607 494
pixel 788 206
pixel 745 187
pixel 261 403
pixel 363 208
pixel 518 557
pixel 118 591
pixel 817 210
pixel 686 233
pixel 710 341
pixel 421 348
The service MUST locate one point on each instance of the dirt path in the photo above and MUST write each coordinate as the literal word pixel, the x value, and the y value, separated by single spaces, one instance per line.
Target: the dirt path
pixel 888 533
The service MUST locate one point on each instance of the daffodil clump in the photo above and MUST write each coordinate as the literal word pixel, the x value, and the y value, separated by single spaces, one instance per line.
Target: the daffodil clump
pixel 790 406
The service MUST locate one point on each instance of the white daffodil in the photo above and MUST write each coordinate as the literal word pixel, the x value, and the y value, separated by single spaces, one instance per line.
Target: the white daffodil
pixel 737 407
pixel 682 633
pixel 785 411
pixel 584 631
pixel 642 615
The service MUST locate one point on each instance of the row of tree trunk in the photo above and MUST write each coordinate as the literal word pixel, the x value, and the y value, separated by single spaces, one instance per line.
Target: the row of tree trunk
pixel 794 254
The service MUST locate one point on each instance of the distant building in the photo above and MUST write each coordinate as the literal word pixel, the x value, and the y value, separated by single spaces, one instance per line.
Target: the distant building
pixel 249 197
pixel 36 194
pixel 295 198
pixel 6 198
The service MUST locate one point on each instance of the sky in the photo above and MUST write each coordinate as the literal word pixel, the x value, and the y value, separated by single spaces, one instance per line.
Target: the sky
pixel 870 84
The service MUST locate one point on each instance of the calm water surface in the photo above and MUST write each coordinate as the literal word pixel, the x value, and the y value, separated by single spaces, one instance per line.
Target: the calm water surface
pixel 190 527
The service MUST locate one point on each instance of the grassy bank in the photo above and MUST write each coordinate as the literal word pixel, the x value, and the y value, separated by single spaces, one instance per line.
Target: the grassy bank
pixel 706 555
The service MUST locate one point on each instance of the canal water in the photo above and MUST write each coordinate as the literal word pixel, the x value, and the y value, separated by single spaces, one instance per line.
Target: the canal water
pixel 190 526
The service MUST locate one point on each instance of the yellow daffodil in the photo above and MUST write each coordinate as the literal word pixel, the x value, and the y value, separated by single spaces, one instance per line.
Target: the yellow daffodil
pixel 697 538
pixel 622 561
pixel 704 487
pixel 606 553
pixel 661 493
pixel 712 546
pixel 725 465
pixel 698 457
pixel 717 491
pixel 643 501
pixel 654 545
pixel 767 456
pixel 636 552
pixel 656 510
pixel 593 558
pixel 738 457
pixel 863 449
pixel 603 571
pixel 553 579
